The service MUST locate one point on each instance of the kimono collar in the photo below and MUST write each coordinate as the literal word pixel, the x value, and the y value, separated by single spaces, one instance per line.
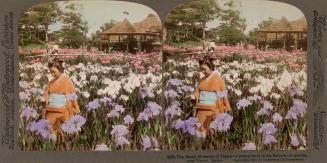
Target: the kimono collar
pixel 215 72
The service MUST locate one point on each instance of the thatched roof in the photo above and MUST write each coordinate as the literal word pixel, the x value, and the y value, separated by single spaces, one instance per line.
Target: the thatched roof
pixel 151 23
pixel 283 25
pixel 122 27
pixel 149 26
pixel 300 24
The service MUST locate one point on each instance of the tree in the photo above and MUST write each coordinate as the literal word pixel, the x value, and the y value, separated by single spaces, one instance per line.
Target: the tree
pixel 253 34
pixel 74 29
pixel 107 25
pixel 95 37
pixel 232 26
pixel 266 23
pixel 189 17
pixel 34 23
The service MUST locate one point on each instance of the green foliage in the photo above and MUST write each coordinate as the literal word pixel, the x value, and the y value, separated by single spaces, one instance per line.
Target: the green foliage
pixel 34 23
pixel 189 20
pixel 74 29
pixel 232 27
pixel 230 35
pixel 253 34
pixel 96 36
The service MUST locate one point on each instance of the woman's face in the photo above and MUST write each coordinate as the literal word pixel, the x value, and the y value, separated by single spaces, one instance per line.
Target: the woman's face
pixel 55 72
pixel 205 69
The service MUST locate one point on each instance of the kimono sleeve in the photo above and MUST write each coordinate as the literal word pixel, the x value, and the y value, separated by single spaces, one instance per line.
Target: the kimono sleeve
pixel 225 99
pixel 46 100
pixel 72 90
pixel 196 93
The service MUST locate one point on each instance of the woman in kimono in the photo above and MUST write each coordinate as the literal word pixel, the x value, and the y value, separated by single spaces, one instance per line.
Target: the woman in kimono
pixel 60 97
pixel 210 95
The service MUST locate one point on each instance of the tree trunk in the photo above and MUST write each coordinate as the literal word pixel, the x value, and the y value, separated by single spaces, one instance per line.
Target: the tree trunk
pixel 46 34
pixel 203 30
pixel 35 33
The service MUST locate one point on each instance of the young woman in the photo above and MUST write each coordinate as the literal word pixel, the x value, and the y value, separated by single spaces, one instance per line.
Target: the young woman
pixel 210 95
pixel 60 97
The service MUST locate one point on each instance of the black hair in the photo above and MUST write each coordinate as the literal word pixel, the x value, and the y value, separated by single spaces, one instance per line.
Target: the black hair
pixel 57 63
pixel 207 61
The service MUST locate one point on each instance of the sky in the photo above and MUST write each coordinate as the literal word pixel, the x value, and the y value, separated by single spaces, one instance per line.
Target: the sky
pixel 255 11
pixel 96 13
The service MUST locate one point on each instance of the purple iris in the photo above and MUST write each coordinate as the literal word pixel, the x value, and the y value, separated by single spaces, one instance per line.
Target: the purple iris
pixel 175 82
pixel 119 108
pixel 222 122
pixel 254 98
pixel 152 109
pixel 188 126
pixel 93 105
pixel 267 129
pixel 146 92
pixel 105 99
pixel 221 94
pixel 243 104
pixel 295 140
pixel 171 94
pixel 24 96
pixel 113 114
pixel 187 88
pixel 262 111
pixel 28 113
pixel 146 142
pixel 72 96
pixel 143 117
pixel 269 139
pixel 265 110
pixel 277 118
pixel 121 141
pixel 42 127
pixel 119 131
pixel 128 120
pixel 179 124
pixel 299 108
pixel 74 124
pixel 173 111
pixel 293 90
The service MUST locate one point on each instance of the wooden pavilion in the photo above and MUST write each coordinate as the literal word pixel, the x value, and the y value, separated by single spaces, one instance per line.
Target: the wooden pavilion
pixel 143 35
pixel 284 34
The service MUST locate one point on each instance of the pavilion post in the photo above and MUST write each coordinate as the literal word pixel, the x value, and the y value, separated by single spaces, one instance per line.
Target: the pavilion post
pixel 284 48
pixel 297 41
pixel 139 41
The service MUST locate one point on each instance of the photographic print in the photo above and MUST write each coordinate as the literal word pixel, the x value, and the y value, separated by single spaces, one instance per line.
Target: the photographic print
pixel 89 76
pixel 235 76
pixel 163 81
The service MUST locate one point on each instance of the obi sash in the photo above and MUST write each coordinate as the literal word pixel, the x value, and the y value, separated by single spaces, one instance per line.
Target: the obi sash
pixel 57 100
pixel 208 98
